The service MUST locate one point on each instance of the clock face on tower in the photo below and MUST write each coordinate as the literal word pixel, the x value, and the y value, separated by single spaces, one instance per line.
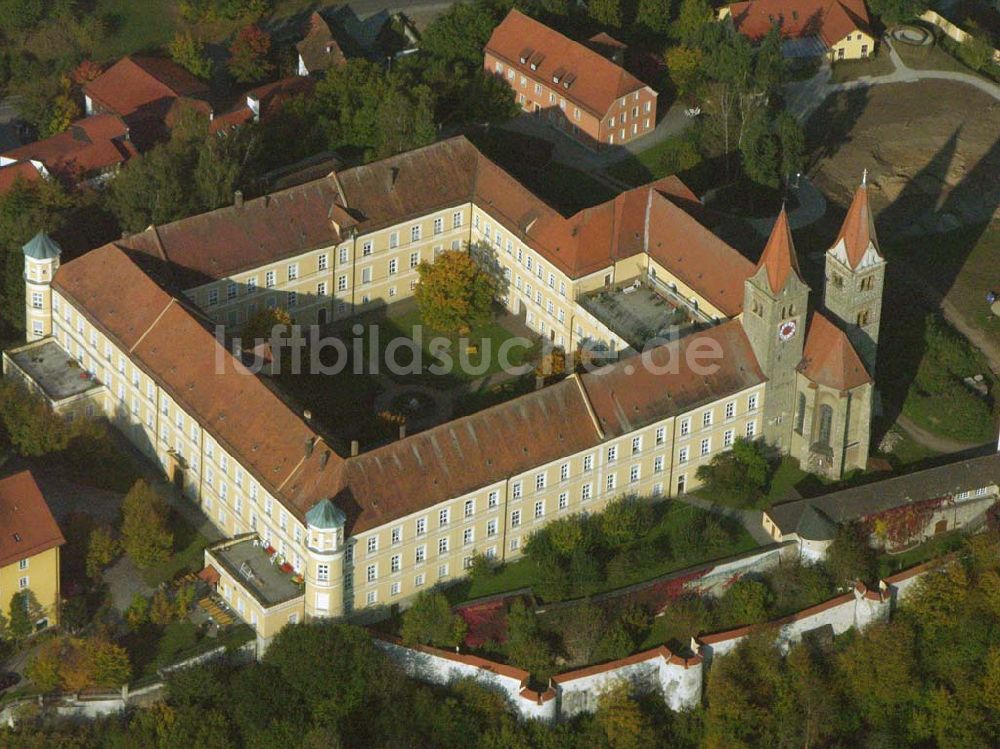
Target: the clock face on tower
pixel 786 330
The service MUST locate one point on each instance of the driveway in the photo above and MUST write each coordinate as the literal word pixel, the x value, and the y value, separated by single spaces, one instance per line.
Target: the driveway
pixel 804 97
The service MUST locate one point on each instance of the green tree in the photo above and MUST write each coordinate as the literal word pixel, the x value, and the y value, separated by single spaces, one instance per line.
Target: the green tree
pixel 850 557
pixel 625 519
pixel 759 148
pixel 693 18
pixel 30 425
pixel 621 720
pixel 43 667
pixel 24 612
pixel 430 621
pixel 137 613
pixel 101 551
pixel 745 602
pixel 249 55
pixel 893 12
pixel 684 66
pixel 461 33
pixel 455 294
pixel 189 52
pixel 653 16
pixel 109 663
pixel 976 51
pixel 23 15
pixel 791 144
pixel 606 12
pixel 737 477
pixel 145 535
pixel 162 610
pixel 525 646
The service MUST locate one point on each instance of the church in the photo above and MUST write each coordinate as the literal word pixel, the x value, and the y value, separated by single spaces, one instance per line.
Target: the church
pixel 124 332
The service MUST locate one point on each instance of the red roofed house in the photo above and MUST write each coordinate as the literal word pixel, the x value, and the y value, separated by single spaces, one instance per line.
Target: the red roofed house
pixel 582 93
pixel 144 91
pixel 29 546
pixel 319 49
pixel 13 171
pixel 89 150
pixel 838 29
pixel 261 102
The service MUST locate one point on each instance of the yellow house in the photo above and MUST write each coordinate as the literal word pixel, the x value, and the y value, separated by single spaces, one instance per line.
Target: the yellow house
pixel 29 546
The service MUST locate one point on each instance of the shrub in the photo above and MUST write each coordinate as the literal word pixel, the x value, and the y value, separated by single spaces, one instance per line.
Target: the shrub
pixel 137 613
pixel 145 536
pixel 746 602
pixel 624 520
pixel 430 621
pixel 737 477
pixel 189 53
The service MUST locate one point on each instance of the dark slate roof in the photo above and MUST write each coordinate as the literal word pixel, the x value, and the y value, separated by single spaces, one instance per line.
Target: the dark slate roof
pixel 814 525
pixel 870 499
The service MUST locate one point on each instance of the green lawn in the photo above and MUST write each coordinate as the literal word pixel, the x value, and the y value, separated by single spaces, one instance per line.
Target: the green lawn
pixel 136 26
pixel 786 476
pixel 935 57
pixel 935 547
pixel 850 70
pixel 677 155
pixel 672 515
pixel 187 556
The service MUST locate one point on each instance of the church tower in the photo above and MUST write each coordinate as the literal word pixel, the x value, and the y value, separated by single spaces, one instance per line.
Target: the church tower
pixel 855 276
pixel 775 301
pixel 41 261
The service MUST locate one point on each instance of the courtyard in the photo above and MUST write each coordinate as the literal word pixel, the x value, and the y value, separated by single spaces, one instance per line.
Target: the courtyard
pixel 640 313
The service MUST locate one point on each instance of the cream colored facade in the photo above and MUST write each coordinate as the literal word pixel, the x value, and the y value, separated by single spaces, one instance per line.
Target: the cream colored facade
pixel 855 46
pixel 40 575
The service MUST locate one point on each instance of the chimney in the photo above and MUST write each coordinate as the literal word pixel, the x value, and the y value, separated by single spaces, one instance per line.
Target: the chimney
pixel 238 198
pixel 310 444
pixel 253 104
pixel 402 431
pixel 392 176
pixel 307 414
pixel 324 459
pixel 354 448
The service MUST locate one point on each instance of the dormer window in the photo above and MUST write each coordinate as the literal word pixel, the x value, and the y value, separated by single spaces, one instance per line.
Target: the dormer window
pixel 534 66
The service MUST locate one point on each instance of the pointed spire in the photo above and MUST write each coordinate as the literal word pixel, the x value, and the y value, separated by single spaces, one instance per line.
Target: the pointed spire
pixel 779 254
pixel 858 229
pixel 42 247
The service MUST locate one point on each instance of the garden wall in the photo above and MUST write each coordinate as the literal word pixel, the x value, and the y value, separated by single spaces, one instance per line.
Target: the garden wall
pixel 680 680
pixel 953 32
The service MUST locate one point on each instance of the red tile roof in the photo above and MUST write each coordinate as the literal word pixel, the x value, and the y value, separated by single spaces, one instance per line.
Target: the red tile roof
pixel 135 84
pixel 828 358
pixel 90 145
pixel 319 49
pixel 24 171
pixel 27 527
pixel 858 229
pixel 830 20
pixel 270 98
pixel 673 378
pixel 598 82
pixel 779 256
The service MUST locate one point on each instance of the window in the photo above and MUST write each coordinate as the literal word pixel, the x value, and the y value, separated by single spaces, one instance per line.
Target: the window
pixel 588 462
pixel 456 219
pixel 414 259
pixel 394 589
pixel 515 544
pixel 661 435
pixel 442 546
pixel 685 427
pixel 516 490
pixel 825 425
pixel 438 226
pixel 752 402
pixel 730 410
pixel 636 445
pixel 563 500
pixel 564 471
pixel 321 288
pixel 421 554
pixel 612 453
pixel 395 563
pixel 633 474
pixel 393 266
pixel 36 299
pixel 443 517
pixel 366 248
pixel 394 239
pixel 213 297
pixel 658 464
pixel 539 482
pixel 322 601
pixel 585 492
pixel 372 573
pixel 372 544
pixel 342 255
pixel 751 429
pixel 22 583
pixel 292 299
pixel 539 509
pixel 706 446
pixel 442 571
pixel 468 536
pixel 681 483
pixel 727 438
pixel 418 580
pixel 371 599
pixel 421 526
pixel 415 233
pixel 470 508
pixel 706 419
pixel 321 262
pixel 515 519
pixel 366 275
pixel 23 564
pixel 322 573
pixel 396 535
pixel 493 499
pixel 611 482
pixel 269 279
pixel 800 413
pixel 491 528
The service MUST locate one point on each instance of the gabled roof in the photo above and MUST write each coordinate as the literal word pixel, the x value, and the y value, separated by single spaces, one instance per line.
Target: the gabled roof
pixel 828 358
pixel 830 20
pixel 858 230
pixel 268 99
pixel 135 83
pixel 27 527
pixel 319 49
pixel 867 500
pixel 814 525
pixel 596 81
pixel 42 247
pixel 89 145
pixel 19 171
pixel 672 378
pixel 779 257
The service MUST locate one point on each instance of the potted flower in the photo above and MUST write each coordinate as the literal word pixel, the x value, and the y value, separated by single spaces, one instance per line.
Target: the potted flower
pixel 270 550
pixel 286 567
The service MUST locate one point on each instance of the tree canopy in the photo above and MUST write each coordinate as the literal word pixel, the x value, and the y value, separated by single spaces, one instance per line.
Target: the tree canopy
pixel 455 293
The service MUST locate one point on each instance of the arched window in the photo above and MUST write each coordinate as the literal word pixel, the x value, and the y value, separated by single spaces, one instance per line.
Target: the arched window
pixel 825 425
pixel 800 417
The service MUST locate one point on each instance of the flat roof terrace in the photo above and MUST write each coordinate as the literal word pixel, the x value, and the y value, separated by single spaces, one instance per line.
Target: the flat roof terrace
pixel 248 563
pixel 58 374
pixel 639 313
